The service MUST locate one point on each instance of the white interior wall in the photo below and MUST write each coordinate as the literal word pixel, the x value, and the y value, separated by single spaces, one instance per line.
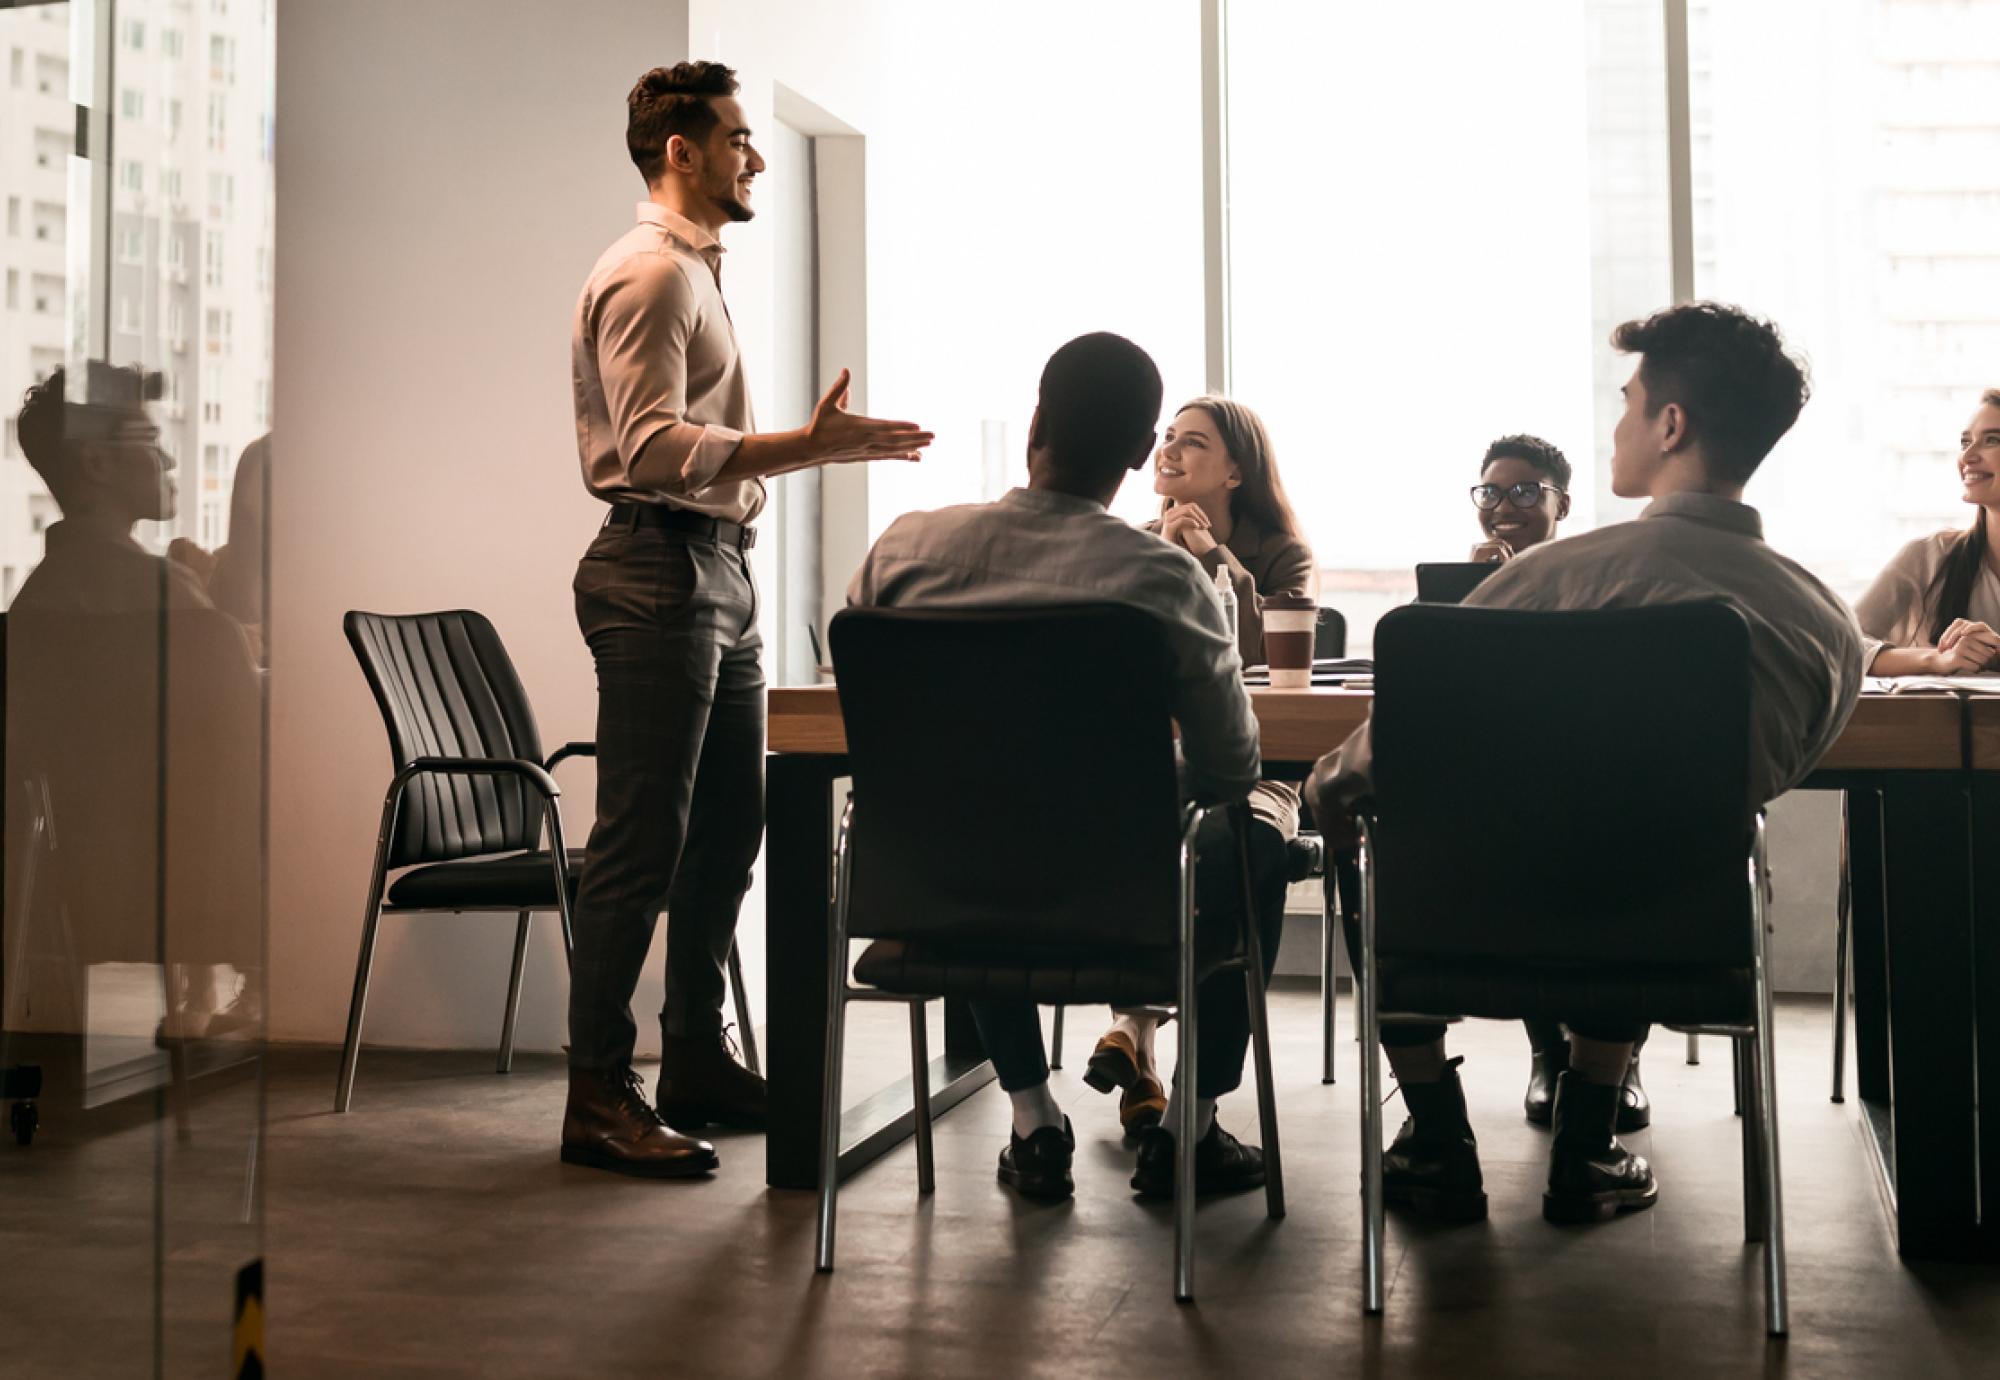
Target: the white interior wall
pixel 447 173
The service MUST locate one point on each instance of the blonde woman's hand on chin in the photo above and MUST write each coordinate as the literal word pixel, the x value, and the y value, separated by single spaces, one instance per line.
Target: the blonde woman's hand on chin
pixel 1187 525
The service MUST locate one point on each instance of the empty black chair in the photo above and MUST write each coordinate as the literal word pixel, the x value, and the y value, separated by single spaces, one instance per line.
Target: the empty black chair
pixel 469 802
pixel 1329 635
pixel 1633 861
pixel 1053 862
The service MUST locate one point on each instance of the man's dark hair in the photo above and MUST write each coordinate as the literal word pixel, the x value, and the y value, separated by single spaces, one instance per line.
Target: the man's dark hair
pixel 49 420
pixel 1728 371
pixel 40 427
pixel 1100 402
pixel 1544 457
pixel 669 101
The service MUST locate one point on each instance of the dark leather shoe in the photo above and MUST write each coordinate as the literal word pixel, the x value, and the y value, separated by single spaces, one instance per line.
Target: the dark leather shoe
pixel 1550 1060
pixel 1038 1167
pixel 609 1125
pixel 1222 1164
pixel 1432 1166
pixel 1592 1178
pixel 701 1084
pixel 1635 1109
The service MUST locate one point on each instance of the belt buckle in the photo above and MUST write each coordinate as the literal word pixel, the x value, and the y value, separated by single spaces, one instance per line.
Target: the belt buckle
pixel 749 538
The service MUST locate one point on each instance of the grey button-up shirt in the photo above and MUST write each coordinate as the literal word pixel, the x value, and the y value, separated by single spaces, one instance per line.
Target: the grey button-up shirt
pixel 1805 650
pixel 1034 547
pixel 662 401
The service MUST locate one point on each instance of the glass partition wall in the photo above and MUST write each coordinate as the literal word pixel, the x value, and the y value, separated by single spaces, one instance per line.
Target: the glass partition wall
pixel 135 366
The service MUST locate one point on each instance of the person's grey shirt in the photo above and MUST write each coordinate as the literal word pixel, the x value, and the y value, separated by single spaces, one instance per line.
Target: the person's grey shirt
pixel 1036 548
pixel 1805 649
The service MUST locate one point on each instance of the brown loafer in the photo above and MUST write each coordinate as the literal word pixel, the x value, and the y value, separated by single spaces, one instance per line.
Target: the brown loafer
pixel 608 1124
pixel 1114 1063
pixel 1142 1106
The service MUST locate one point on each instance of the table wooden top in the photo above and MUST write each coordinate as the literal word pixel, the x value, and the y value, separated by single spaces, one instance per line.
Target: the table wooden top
pixel 1887 732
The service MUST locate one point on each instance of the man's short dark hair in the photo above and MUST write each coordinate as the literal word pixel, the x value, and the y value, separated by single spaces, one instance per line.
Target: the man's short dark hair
pixel 669 101
pixel 1543 457
pixel 49 420
pixel 1100 402
pixel 1728 371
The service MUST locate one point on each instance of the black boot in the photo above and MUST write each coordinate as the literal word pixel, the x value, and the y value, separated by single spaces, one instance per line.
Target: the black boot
pixel 1550 1062
pixel 1592 1178
pixel 1635 1109
pixel 1433 1165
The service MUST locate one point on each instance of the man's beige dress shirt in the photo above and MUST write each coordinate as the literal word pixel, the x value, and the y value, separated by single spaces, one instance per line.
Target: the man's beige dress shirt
pixel 661 398
pixel 1805 650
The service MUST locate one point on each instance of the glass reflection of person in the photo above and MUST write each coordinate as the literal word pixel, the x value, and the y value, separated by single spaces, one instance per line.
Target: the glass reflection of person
pixel 1934 609
pixel 1223 501
pixel 136 705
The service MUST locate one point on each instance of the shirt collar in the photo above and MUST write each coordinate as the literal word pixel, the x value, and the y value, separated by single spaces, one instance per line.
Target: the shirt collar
pixel 1049 501
pixel 680 227
pixel 1710 510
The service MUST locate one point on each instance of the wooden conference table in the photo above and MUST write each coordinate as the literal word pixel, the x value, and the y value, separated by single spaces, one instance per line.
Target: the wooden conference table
pixel 1923 776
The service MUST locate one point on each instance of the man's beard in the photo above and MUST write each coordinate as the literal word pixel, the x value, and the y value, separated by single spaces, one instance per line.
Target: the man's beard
pixel 735 210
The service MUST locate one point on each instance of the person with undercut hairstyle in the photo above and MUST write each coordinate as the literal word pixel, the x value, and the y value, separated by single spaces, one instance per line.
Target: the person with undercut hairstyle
pixel 1714 391
pixel 664 598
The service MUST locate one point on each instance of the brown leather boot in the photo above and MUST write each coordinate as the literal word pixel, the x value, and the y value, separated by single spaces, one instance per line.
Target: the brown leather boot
pixel 609 1125
pixel 702 1084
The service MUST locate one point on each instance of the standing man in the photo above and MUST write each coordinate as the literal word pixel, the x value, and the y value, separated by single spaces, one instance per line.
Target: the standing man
pixel 665 601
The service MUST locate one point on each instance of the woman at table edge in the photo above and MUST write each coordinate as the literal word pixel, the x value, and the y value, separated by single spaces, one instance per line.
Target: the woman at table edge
pixel 1222 500
pixel 1935 607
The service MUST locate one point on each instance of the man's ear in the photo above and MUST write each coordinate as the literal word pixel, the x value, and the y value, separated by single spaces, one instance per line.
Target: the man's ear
pixel 1562 507
pixel 1673 428
pixel 1144 452
pixel 680 154
pixel 1035 429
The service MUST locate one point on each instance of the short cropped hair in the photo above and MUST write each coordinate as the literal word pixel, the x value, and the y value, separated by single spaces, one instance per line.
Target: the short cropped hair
pixel 1100 402
pixel 1728 370
pixel 1543 457
pixel 669 101
pixel 49 421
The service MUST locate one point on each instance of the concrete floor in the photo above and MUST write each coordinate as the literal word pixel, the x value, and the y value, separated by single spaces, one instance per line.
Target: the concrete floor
pixel 431 1232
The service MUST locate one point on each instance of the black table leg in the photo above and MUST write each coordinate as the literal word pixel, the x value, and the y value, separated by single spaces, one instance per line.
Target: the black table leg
pixel 798 850
pixel 1986 998
pixel 1926 830
pixel 1866 918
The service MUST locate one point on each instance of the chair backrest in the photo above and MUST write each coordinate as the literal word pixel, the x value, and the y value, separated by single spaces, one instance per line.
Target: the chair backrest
pixel 1013 775
pixel 447 688
pixel 1448 582
pixel 1563 786
pixel 1330 635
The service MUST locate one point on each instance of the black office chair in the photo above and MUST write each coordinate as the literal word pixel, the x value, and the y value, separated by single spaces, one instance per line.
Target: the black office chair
pixel 469 802
pixel 1052 861
pixel 1329 635
pixel 1558 896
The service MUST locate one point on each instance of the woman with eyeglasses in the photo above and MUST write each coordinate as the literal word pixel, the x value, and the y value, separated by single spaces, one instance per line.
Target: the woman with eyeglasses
pixel 1522 493
pixel 1934 609
pixel 1222 500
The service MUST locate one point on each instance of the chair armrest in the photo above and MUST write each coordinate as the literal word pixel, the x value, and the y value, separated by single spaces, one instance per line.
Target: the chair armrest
pixel 568 750
pixel 531 772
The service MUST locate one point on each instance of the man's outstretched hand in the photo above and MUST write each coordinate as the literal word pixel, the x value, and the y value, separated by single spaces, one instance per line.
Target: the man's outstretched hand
pixel 836 436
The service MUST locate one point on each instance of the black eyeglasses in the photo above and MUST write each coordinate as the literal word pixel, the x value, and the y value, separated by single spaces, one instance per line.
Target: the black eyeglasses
pixel 1486 497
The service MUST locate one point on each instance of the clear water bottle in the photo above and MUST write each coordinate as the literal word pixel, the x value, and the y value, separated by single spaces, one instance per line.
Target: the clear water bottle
pixel 1225 594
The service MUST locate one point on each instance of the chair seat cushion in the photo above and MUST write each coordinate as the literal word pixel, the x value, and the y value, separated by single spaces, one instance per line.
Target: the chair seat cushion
pixel 518 881
pixel 1067 977
pixel 1581 993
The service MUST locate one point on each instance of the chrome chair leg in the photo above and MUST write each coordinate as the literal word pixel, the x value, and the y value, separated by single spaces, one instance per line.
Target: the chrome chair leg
pixel 920 1085
pixel 1736 1056
pixel 836 1039
pixel 522 926
pixel 350 1050
pixel 1694 1048
pixel 1185 1076
pixel 1260 1046
pixel 1056 1042
pixel 745 1027
pixel 1373 1224
pixel 1329 996
pixel 1843 912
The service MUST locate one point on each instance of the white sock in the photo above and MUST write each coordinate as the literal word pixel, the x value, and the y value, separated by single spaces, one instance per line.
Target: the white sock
pixel 1204 1115
pixel 1140 1029
pixel 1034 1108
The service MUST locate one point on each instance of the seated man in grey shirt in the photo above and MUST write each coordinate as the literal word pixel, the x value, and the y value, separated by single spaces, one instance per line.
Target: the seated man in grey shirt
pixel 1713 392
pixel 1054 543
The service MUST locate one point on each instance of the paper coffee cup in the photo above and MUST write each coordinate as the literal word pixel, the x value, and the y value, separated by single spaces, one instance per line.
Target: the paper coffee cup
pixel 1289 623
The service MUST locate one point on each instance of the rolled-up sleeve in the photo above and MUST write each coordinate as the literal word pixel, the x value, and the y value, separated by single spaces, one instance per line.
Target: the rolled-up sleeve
pixel 643 317
pixel 1891 612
